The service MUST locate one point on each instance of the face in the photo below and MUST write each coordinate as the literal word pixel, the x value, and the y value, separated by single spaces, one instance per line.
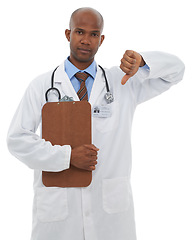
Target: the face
pixel 85 38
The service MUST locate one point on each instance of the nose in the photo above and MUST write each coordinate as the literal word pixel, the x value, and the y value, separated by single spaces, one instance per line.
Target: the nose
pixel 85 39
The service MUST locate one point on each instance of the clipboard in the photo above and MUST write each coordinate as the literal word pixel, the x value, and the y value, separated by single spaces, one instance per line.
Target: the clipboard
pixel 67 123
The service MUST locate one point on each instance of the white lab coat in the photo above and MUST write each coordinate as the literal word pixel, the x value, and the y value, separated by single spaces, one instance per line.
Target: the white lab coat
pixel 104 210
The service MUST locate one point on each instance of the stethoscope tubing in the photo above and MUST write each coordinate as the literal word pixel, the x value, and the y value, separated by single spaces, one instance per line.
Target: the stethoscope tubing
pixel 57 90
pixel 106 82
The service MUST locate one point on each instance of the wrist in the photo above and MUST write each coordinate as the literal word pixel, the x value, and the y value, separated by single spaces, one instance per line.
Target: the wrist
pixel 142 63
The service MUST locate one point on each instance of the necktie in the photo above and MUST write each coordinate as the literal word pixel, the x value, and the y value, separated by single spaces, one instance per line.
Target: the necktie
pixel 82 93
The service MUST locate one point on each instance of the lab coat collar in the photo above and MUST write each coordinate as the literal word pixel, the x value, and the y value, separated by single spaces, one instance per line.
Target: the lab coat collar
pixel 62 77
pixel 60 73
pixel 66 86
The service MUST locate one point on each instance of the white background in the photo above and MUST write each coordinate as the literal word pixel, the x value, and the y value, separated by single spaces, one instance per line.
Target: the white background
pixel 33 42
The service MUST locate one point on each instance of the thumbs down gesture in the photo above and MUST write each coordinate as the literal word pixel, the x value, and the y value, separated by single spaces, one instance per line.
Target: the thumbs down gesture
pixel 130 64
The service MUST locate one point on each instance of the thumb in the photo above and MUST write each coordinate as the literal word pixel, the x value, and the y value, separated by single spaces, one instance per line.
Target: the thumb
pixel 125 79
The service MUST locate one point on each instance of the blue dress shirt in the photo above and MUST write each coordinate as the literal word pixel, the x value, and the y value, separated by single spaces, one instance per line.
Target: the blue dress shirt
pixel 71 70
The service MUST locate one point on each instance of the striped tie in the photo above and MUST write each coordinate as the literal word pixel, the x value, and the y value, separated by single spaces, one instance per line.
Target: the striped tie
pixel 82 93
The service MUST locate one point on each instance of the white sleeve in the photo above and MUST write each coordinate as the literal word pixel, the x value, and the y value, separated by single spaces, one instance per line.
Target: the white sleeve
pixel 164 70
pixel 25 144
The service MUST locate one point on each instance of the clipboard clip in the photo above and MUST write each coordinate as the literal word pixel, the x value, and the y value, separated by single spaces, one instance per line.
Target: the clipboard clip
pixel 66 99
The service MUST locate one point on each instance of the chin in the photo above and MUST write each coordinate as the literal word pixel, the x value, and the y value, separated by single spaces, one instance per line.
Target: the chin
pixel 84 59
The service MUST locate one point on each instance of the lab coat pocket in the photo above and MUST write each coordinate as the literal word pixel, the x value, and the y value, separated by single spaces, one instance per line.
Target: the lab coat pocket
pixel 51 204
pixel 106 124
pixel 116 195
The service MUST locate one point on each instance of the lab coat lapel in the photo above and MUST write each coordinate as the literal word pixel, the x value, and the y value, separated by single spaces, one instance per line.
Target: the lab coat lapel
pixel 98 86
pixel 66 86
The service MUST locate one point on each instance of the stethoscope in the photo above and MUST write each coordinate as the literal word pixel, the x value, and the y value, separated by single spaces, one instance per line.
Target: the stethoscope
pixel 108 95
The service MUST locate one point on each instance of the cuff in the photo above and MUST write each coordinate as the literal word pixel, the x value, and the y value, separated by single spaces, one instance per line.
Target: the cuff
pixel 67 156
pixel 61 161
pixel 143 72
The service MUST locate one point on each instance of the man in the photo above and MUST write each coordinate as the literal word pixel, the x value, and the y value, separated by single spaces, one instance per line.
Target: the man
pixel 103 210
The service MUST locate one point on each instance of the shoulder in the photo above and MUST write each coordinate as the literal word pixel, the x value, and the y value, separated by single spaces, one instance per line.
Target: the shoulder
pixel 41 80
pixel 37 88
pixel 40 84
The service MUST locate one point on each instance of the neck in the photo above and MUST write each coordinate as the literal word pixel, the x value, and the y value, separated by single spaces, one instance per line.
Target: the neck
pixel 80 65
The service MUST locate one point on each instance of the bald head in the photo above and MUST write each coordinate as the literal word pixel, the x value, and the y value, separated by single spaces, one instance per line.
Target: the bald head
pixel 85 36
pixel 86 13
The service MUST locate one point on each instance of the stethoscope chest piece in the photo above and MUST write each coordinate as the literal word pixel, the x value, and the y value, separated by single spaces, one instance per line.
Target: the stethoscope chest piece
pixel 109 97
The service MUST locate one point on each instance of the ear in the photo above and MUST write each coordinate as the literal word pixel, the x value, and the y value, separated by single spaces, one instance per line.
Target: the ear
pixel 102 39
pixel 67 34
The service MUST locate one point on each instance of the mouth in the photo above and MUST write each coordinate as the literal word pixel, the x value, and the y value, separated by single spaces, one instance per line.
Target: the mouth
pixel 84 50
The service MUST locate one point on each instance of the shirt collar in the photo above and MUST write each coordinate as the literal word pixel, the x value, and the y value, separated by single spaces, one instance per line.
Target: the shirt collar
pixel 71 70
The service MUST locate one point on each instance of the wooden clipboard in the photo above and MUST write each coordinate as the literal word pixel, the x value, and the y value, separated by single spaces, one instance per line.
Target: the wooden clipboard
pixel 67 123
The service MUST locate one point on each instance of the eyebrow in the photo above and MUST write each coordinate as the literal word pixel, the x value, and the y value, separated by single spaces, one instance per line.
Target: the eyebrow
pixel 80 29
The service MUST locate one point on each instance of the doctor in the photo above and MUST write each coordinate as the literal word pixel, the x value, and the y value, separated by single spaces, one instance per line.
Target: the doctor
pixel 103 210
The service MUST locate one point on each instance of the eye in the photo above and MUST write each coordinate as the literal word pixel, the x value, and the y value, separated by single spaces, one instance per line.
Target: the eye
pixel 95 34
pixel 79 32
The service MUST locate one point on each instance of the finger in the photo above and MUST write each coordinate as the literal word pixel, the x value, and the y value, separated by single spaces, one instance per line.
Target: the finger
pixel 93 163
pixel 91 168
pixel 125 79
pixel 92 158
pixel 130 56
pixel 91 147
pixel 126 69
pixel 93 153
pixel 127 64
